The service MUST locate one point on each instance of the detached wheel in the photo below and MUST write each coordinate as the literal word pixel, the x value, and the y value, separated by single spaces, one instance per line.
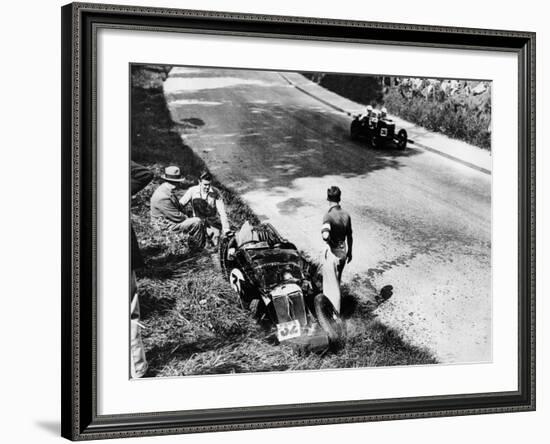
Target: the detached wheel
pixel 402 139
pixel 329 319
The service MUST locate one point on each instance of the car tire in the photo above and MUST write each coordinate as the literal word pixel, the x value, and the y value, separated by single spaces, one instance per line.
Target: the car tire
pixel 255 308
pixel 355 129
pixel 402 139
pixel 330 320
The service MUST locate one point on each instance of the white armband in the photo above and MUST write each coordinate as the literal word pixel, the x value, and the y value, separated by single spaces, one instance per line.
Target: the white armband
pixel 325 231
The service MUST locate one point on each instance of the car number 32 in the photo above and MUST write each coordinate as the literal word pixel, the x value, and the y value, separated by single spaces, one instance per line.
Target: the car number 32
pixel 288 330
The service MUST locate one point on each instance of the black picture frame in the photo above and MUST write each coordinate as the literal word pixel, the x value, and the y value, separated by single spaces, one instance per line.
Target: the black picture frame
pixel 79 172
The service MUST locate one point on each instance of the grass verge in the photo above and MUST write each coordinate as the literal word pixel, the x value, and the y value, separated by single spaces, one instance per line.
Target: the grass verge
pixel 461 117
pixel 192 323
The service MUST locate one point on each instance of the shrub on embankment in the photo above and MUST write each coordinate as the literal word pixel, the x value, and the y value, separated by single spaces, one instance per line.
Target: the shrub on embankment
pixel 458 112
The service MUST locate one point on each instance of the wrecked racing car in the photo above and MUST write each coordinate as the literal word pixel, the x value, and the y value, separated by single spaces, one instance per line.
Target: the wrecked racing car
pixel 272 281
pixel 378 130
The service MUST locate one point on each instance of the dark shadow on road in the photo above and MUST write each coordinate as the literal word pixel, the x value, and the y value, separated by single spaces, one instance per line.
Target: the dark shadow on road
pixel 268 145
pixel 289 206
pixel 193 122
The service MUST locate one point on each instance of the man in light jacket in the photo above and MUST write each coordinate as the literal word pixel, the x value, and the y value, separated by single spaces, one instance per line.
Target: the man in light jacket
pixel 207 205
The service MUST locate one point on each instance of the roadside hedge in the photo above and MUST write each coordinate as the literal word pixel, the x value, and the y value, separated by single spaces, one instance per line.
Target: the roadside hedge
pixel 454 116
pixel 458 114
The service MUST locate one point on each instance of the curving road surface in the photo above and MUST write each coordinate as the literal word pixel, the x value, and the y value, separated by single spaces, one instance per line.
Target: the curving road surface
pixel 421 222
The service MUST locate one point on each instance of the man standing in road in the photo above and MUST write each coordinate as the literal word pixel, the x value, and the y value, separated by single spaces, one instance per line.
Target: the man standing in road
pixel 337 233
pixel 206 204
pixel 167 212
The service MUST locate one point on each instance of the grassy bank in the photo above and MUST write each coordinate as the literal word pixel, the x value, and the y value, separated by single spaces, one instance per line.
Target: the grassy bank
pixel 191 317
pixel 460 116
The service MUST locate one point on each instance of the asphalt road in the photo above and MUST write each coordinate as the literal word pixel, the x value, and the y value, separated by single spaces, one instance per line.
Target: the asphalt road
pixel 421 222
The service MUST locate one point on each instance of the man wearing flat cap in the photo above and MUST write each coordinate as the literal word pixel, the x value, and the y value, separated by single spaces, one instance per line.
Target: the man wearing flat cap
pixel 167 212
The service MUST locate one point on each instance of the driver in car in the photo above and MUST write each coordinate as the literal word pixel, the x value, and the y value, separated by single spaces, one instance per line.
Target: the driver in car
pixel 368 112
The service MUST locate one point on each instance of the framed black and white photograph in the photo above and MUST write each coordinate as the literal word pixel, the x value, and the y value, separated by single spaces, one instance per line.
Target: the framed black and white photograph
pixel 281 221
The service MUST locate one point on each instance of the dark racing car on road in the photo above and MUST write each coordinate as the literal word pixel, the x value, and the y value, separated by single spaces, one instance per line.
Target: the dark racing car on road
pixel 378 130
pixel 272 281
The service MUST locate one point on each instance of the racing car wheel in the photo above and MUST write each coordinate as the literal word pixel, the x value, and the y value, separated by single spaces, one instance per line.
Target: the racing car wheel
pixel 330 320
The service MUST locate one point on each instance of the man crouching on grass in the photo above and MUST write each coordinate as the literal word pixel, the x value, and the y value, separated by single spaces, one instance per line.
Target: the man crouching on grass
pixel 206 204
pixel 168 214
